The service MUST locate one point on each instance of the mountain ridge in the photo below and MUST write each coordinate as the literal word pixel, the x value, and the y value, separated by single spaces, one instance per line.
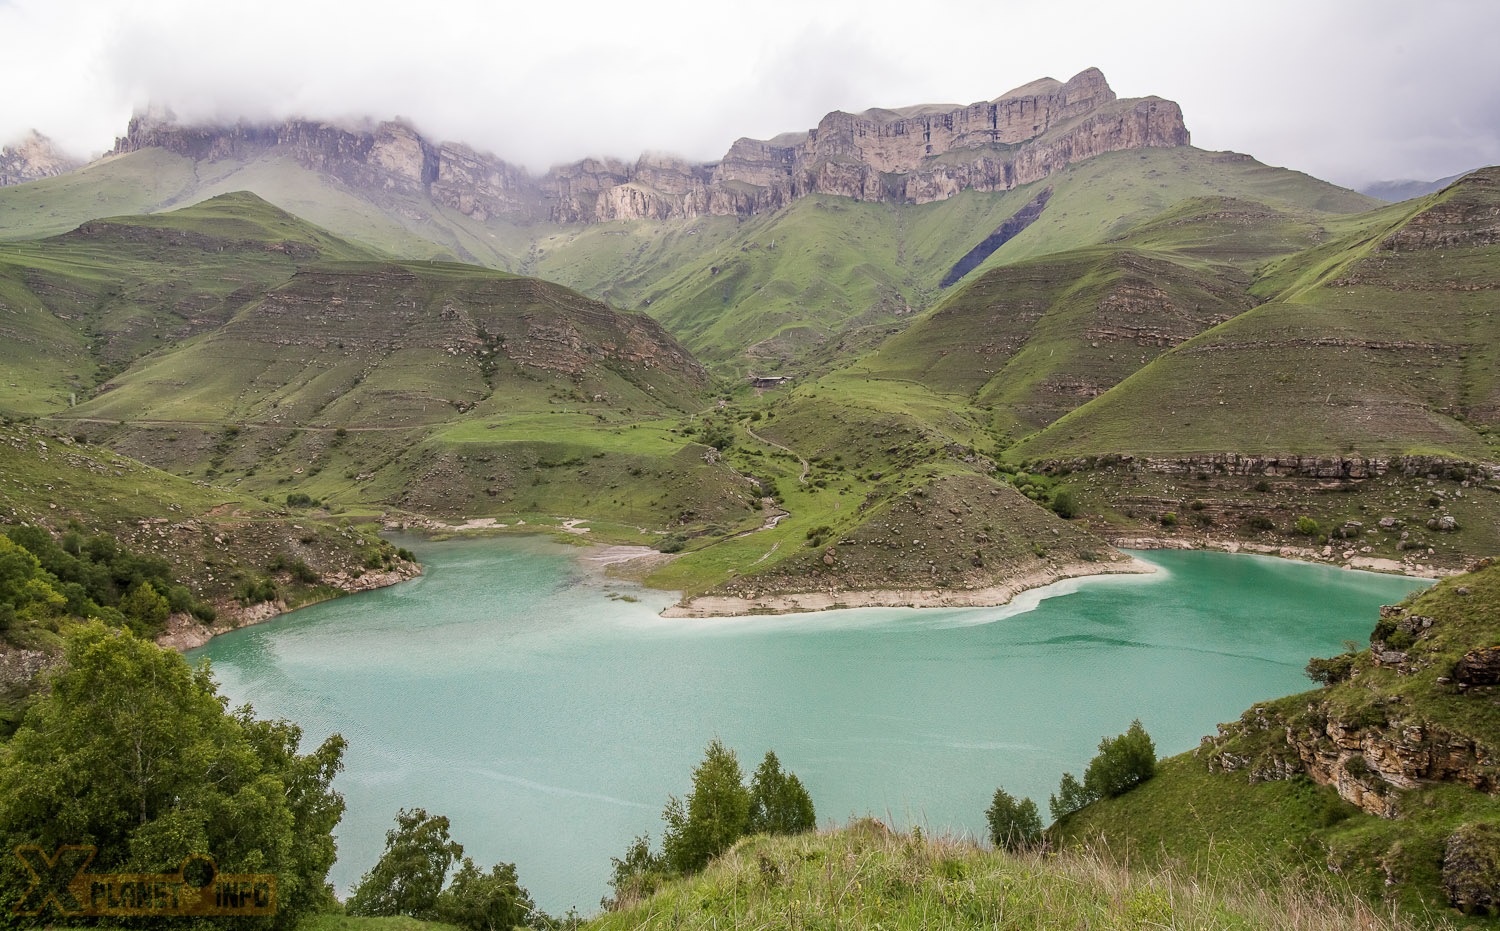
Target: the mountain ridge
pixel 888 156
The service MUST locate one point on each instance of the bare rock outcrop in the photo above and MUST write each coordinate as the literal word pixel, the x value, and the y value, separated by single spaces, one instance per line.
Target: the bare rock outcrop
pixel 1479 667
pixel 19 667
pixel 32 158
pixel 1365 763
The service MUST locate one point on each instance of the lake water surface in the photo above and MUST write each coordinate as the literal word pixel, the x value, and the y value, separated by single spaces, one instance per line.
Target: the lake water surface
pixel 506 690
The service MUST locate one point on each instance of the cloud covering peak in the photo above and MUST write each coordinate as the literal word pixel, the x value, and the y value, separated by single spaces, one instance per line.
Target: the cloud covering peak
pixel 1351 91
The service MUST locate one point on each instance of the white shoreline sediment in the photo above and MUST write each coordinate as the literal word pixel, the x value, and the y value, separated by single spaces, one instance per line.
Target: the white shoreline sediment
pixel 1302 554
pixel 705 606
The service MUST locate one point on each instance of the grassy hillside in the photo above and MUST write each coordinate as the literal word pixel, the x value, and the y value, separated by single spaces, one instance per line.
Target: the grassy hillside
pixel 292 361
pixel 1370 777
pixel 1033 340
pixel 1382 343
pixel 217 539
pixel 435 389
pixel 154 180
pixel 866 876
pixel 82 305
pixel 780 286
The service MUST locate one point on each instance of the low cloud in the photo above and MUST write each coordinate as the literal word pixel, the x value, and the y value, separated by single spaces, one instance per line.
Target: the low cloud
pixel 1351 91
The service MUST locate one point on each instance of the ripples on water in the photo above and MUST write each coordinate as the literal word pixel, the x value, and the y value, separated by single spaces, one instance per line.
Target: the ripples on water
pixel 506 690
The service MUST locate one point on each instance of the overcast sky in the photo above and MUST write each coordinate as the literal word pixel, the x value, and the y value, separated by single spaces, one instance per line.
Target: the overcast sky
pixel 1349 91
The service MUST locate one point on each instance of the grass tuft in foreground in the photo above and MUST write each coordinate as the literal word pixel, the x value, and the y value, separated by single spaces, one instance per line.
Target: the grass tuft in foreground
pixel 865 876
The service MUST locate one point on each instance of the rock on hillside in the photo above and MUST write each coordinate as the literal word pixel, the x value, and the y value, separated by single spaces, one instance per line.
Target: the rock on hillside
pixel 32 158
pixel 1386 777
pixel 915 155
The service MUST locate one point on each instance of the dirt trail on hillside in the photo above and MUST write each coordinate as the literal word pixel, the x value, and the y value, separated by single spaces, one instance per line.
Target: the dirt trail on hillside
pixel 801 479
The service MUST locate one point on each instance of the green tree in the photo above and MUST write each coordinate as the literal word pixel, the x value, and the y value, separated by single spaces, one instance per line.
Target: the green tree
pixel 1307 526
pixel 1071 796
pixel 479 901
pixel 1013 825
pixel 408 878
pixel 637 875
pixel 718 434
pixel 27 595
pixel 132 750
pixel 1332 670
pixel 145 609
pixel 1124 762
pixel 1064 505
pixel 778 802
pixel 712 817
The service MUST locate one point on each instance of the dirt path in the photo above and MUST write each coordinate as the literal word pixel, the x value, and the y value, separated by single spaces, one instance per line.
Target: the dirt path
pixel 236 423
pixel 801 479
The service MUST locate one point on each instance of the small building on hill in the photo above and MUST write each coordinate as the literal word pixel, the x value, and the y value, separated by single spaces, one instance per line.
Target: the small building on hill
pixel 769 381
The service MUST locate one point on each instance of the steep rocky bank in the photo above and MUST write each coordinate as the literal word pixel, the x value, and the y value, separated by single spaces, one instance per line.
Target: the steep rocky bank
pixel 184 633
pixel 915 155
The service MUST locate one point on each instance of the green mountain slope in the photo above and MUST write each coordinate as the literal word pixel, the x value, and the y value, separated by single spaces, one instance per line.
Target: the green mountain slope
pixel 777 287
pixel 1035 339
pixel 748 293
pixel 237 343
pixel 1382 343
pixel 154 180
pixel 79 306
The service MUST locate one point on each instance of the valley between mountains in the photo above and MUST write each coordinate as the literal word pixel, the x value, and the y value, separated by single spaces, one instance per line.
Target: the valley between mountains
pixel 990 363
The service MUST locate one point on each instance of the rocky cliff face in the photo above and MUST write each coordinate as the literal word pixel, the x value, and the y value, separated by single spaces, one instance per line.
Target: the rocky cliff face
pixel 391 158
pixel 916 155
pixel 32 159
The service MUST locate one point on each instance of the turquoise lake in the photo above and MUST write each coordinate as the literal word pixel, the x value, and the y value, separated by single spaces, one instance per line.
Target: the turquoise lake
pixel 508 691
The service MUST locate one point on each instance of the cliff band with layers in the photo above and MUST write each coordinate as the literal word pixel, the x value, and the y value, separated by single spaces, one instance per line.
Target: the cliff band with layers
pixel 914 155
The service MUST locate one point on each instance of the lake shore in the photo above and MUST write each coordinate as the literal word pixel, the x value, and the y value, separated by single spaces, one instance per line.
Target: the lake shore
pixel 1333 558
pixel 184 632
pixel 705 606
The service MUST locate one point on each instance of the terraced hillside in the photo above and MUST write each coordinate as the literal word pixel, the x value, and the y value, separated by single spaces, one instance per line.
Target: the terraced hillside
pixel 439 390
pixel 1381 343
pixel 1033 340
pixel 436 389
pixel 78 307
pixel 1323 428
